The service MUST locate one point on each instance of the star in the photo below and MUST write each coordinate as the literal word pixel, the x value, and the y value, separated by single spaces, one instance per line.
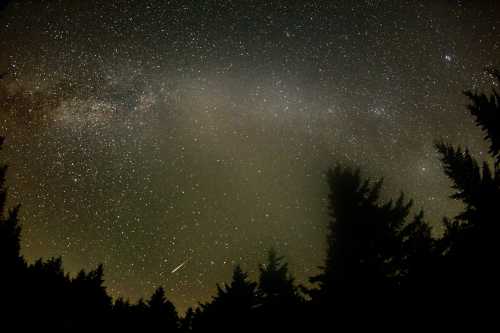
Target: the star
pixel 143 134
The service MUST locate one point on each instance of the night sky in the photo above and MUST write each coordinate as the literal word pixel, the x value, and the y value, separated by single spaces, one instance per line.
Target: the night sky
pixel 170 140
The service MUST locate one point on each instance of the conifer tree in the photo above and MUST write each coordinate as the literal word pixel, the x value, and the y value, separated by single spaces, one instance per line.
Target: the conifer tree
pixel 486 112
pixel 364 239
pixel 469 243
pixel 232 308
pixel 161 312
pixel 12 264
pixel 240 294
pixel 10 230
pixel 186 323
pixel 276 285
pixel 281 303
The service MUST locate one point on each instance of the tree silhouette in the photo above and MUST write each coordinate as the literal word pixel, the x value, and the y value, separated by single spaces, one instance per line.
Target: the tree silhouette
pixel 12 264
pixel 469 242
pixel 131 317
pixel 10 231
pixel 280 299
pixel 162 313
pixel 240 294
pixel 122 314
pixel 379 263
pixel 232 308
pixel 275 281
pixel 371 251
pixel 186 323
pixel 486 112
pixel 10 240
pixel 89 298
pixel 419 264
pixel 364 239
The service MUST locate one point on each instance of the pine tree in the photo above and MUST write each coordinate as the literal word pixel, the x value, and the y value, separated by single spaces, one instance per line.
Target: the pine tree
pixel 486 112
pixel 281 302
pixel 469 243
pixel 161 312
pixel 240 294
pixel 10 231
pixel 364 239
pixel 419 259
pixel 276 285
pixel 13 296
pixel 187 321
pixel 378 262
pixel 232 309
pixel 89 298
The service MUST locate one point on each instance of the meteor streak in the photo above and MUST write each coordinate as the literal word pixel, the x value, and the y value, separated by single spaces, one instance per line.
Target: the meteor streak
pixel 178 267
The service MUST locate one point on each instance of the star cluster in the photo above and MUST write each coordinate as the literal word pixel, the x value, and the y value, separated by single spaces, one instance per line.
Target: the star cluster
pixel 172 139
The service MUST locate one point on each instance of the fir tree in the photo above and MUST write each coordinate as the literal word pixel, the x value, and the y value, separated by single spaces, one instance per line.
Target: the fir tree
pixel 186 323
pixel 161 312
pixel 469 244
pixel 364 239
pixel 13 296
pixel 10 230
pixel 239 295
pixel 232 308
pixel 275 280
pixel 486 112
pixel 281 302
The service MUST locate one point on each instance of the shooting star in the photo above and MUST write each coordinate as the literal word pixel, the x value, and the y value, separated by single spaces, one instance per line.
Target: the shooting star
pixel 178 267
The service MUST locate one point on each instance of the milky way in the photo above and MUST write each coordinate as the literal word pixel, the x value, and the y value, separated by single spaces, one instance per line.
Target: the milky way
pixel 170 140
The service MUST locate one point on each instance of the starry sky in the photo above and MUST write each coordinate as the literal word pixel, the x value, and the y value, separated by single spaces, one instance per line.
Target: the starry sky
pixel 170 140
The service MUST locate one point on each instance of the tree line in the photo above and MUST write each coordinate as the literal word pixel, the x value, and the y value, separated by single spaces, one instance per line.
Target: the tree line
pixel 382 265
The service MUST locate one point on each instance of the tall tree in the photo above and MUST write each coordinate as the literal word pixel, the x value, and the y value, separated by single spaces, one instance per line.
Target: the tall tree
pixel 186 323
pixel 419 260
pixel 12 265
pixel 91 303
pixel 486 112
pixel 362 274
pixel 240 294
pixel 162 313
pixel 469 243
pixel 364 239
pixel 232 308
pixel 276 285
pixel 281 304
pixel 10 231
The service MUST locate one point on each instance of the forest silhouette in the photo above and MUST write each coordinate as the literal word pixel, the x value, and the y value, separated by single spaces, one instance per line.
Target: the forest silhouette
pixel 381 263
